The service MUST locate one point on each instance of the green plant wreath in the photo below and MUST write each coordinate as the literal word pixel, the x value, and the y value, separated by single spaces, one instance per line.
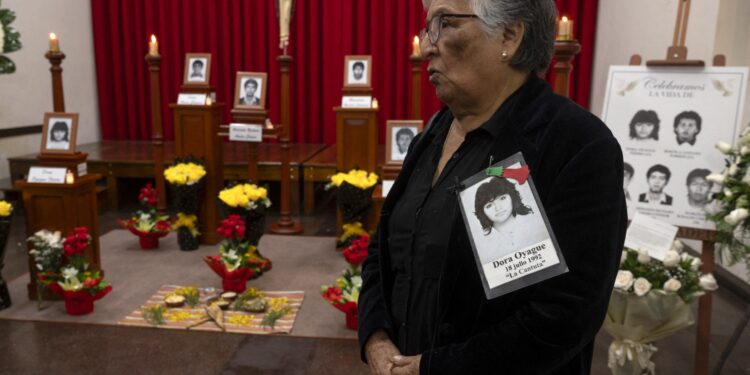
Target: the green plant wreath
pixel 10 40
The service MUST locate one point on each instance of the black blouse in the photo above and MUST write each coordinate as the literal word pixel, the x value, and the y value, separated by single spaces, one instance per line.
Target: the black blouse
pixel 420 227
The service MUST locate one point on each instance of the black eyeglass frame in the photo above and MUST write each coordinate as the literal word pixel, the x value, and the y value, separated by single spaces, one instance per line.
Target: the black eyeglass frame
pixel 432 30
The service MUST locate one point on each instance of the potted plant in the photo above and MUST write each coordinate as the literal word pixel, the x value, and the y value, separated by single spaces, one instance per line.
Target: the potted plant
pixel 146 223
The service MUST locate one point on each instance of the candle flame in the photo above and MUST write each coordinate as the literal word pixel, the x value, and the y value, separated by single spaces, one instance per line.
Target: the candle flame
pixel 153 38
pixel 52 36
pixel 565 19
pixel 416 39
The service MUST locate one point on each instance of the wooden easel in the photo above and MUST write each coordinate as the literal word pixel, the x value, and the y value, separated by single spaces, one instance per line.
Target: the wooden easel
pixel 677 57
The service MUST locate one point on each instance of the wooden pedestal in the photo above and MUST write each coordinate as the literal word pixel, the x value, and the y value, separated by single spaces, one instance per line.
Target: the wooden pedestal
pixel 255 117
pixel 196 134
pixel 62 207
pixel 356 139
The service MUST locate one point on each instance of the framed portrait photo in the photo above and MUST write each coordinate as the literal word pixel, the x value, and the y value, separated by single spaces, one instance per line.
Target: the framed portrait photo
pixel 357 71
pixel 399 134
pixel 59 133
pixel 250 90
pixel 197 69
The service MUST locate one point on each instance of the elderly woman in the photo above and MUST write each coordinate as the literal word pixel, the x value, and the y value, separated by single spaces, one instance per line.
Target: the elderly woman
pixel 422 308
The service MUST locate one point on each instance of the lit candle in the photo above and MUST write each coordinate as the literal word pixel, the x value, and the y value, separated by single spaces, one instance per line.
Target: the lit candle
pixel 208 101
pixel 269 124
pixel 415 49
pixel 69 178
pixel 374 103
pixel 54 43
pixel 565 29
pixel 153 46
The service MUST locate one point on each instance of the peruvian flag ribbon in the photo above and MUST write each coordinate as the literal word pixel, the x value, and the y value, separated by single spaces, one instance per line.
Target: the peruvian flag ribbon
pixel 518 174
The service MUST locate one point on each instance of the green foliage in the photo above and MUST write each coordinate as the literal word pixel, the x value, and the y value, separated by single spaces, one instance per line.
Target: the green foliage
pixel 154 315
pixel 11 41
pixel 658 274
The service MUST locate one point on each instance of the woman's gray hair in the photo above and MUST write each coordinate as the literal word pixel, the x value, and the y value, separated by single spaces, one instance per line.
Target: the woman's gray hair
pixel 538 18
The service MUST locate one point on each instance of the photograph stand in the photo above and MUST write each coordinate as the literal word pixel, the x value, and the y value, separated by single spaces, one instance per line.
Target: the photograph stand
pixel 677 57
pixel 196 130
pixel 245 116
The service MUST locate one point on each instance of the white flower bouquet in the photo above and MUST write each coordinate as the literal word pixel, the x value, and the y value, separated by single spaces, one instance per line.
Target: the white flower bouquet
pixel 730 207
pixel 651 300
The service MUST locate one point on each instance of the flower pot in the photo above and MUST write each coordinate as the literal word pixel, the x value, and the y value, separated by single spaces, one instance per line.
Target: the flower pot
pixel 148 242
pixel 352 320
pixel 234 284
pixel 79 303
pixel 186 240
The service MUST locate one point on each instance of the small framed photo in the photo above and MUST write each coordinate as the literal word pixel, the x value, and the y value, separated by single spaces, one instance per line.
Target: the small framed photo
pixel 59 133
pixel 357 71
pixel 250 90
pixel 197 69
pixel 399 134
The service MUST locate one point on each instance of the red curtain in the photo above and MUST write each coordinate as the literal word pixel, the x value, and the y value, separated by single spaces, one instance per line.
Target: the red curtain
pixel 242 35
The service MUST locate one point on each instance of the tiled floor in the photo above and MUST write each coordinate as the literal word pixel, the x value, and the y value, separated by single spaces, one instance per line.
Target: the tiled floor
pixel 33 347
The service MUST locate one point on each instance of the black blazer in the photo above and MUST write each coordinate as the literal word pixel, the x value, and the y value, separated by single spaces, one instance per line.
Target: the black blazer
pixel 549 327
pixel 667 199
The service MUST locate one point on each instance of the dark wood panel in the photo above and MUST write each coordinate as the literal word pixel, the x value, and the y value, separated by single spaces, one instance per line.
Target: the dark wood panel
pixel 20 130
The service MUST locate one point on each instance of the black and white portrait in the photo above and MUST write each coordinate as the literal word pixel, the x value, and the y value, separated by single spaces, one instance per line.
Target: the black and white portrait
pixel 58 136
pixel 687 126
pixel 644 126
pixel 699 188
pixel 657 178
pixel 357 71
pixel 505 217
pixel 59 133
pixel 197 68
pixel 399 134
pixel 627 176
pixel 250 90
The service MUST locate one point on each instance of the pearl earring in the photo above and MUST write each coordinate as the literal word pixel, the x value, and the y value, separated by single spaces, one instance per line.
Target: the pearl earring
pixel 504 54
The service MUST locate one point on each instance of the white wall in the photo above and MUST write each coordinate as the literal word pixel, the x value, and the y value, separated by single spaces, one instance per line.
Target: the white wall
pixel 26 94
pixel 646 27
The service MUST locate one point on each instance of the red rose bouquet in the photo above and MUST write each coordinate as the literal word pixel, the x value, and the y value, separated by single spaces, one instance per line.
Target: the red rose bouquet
pixel 146 223
pixel 78 285
pixel 345 293
pixel 237 261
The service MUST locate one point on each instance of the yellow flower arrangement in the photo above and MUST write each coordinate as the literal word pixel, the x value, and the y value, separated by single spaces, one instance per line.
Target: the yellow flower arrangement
pixel 247 196
pixel 187 221
pixel 5 209
pixel 352 230
pixel 356 177
pixel 184 174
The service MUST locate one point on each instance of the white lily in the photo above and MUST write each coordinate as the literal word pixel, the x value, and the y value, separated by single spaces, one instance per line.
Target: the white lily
pixel 696 263
pixel 733 169
pixel 357 281
pixel 678 246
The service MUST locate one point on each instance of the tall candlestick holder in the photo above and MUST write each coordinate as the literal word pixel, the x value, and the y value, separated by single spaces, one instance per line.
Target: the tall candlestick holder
pixel 565 51
pixel 416 86
pixel 58 97
pixel 157 132
pixel 285 224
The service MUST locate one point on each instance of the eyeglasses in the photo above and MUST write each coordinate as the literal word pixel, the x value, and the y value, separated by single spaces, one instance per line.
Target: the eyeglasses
pixel 432 31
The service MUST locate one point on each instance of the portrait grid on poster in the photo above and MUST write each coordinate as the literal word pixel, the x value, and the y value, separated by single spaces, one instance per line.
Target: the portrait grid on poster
pixel 514 245
pixel 59 133
pixel 667 121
